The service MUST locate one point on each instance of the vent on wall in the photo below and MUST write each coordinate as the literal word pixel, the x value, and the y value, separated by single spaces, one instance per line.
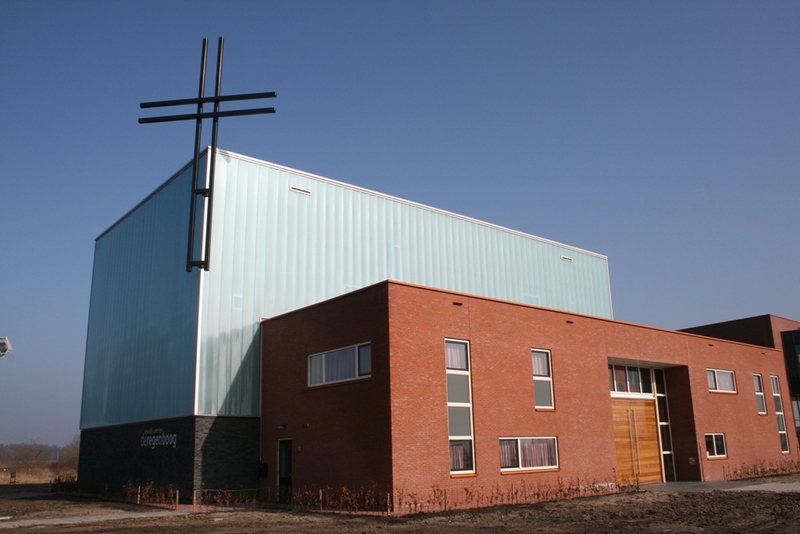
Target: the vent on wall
pixel 566 258
pixel 299 190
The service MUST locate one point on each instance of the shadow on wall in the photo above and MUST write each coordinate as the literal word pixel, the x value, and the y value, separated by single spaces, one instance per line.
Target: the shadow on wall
pixel 227 446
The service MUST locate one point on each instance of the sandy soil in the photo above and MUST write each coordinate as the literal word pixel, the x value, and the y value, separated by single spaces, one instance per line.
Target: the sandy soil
pixel 715 512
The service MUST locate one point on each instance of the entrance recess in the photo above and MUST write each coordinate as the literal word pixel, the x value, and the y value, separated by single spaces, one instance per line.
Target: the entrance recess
pixel 285 471
pixel 636 441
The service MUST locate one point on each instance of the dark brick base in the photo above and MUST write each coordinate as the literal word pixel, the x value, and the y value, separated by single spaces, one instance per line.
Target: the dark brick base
pixel 188 454
pixel 226 453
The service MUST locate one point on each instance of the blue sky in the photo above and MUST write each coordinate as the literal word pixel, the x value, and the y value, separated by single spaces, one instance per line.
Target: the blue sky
pixel 665 135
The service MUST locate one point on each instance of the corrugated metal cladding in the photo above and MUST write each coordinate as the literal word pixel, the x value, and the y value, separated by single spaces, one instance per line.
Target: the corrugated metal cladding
pixel 283 239
pixel 142 335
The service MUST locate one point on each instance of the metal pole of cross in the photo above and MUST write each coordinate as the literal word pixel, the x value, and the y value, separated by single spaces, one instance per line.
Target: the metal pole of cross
pixel 205 191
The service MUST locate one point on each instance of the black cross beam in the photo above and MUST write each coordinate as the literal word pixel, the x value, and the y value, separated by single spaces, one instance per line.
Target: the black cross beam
pixel 207 189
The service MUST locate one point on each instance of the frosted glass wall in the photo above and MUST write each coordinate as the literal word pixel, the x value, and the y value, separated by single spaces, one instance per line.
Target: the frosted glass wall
pixel 141 340
pixel 283 239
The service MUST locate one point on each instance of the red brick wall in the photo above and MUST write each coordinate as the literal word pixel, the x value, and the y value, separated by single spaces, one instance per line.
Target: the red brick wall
pixel 340 432
pixel 392 428
pixel 751 439
pixel 501 336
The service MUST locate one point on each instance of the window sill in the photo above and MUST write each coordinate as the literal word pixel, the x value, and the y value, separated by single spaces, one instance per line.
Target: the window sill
pixel 712 458
pixel 529 471
pixel 463 475
pixel 338 383
pixel 543 409
pixel 723 392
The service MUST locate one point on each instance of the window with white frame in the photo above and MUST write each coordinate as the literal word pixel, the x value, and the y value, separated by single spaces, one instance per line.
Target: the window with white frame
pixel 721 380
pixel 528 453
pixel 715 446
pixel 761 402
pixel 459 406
pixel 628 379
pixel 340 365
pixel 542 379
pixel 776 396
pixel 663 424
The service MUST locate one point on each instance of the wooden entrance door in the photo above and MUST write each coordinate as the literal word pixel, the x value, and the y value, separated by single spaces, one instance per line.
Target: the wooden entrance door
pixel 636 441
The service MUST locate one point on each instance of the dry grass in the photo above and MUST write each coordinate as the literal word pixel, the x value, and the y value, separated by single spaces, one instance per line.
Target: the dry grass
pixel 36 475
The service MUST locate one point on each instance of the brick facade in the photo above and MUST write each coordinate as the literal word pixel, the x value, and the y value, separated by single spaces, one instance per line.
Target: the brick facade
pixel 389 432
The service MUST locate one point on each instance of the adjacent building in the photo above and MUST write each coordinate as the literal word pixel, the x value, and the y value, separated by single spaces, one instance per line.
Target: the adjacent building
pixel 766 331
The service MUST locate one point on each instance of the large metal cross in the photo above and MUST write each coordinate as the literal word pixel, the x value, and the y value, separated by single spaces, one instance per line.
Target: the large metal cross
pixel 206 189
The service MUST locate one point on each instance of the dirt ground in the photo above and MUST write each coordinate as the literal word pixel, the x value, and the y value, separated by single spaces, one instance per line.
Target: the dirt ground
pixel 644 511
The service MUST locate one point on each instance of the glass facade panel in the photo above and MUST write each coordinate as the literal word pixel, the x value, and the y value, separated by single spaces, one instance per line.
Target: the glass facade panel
pixel 719 444
pixel 543 392
pixel 458 388
pixel 460 420
pixel 710 445
pixel 538 452
pixel 315 370
pixel 712 379
pixel 633 380
pixel 663 415
pixel 620 379
pixel 661 387
pixel 647 382
pixel 364 360
pixel 508 454
pixel 461 455
pixel 340 237
pixel 456 355
pixel 541 363
pixel 669 467
pixel 666 443
pixel 340 365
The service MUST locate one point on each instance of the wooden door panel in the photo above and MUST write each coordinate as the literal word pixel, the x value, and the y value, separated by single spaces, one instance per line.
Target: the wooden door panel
pixel 636 441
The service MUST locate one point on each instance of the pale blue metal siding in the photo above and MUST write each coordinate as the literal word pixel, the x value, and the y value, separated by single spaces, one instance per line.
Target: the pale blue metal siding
pixel 275 249
pixel 141 339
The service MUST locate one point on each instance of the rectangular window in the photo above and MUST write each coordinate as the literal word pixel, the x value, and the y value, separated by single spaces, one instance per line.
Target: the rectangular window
pixel 528 453
pixel 542 379
pixel 459 407
pixel 776 397
pixel 715 446
pixel 761 403
pixel 630 379
pixel 340 365
pixel 721 380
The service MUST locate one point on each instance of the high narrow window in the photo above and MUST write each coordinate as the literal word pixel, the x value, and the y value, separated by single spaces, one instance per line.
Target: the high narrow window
pixel 761 403
pixel 459 406
pixel 340 365
pixel 721 380
pixel 776 396
pixel 542 379
pixel 665 435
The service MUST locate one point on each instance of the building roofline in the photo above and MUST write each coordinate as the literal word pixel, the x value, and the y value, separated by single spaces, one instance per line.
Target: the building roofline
pixel 515 303
pixel 407 202
pixel 354 188
pixel 148 197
